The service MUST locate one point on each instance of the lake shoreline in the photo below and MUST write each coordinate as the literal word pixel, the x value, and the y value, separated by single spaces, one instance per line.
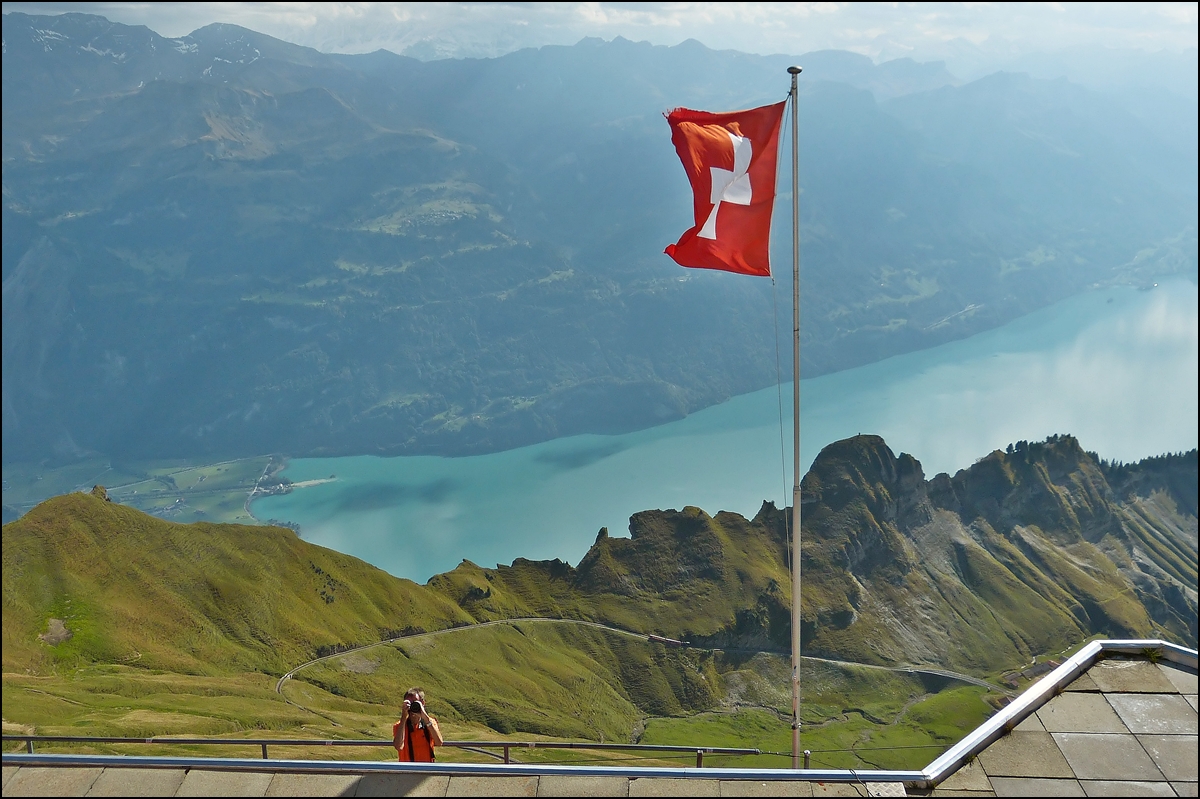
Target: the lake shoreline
pixel 946 406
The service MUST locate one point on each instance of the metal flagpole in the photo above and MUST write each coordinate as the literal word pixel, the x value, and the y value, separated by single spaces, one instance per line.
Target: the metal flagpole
pixel 794 71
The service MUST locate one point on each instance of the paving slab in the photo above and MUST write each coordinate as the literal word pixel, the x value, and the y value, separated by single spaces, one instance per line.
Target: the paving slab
pixel 968 778
pixel 1034 786
pixel 667 786
pixel 1175 755
pixel 1079 712
pixel 54 781
pixel 1184 681
pixel 941 792
pixel 1191 700
pixel 772 788
pixel 838 789
pixel 1025 754
pixel 1107 756
pixel 1130 677
pixel 492 786
pixel 402 785
pixel 1082 683
pixel 8 772
pixel 1184 788
pixel 137 782
pixel 1125 788
pixel 313 785
pixel 565 785
pixel 1030 723
pixel 224 783
pixel 1152 714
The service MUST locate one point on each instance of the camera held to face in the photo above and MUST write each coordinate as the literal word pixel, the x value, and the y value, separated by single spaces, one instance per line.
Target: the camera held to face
pixel 414 706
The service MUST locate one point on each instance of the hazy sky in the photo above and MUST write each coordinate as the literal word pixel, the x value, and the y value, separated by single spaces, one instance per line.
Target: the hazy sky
pixel 968 35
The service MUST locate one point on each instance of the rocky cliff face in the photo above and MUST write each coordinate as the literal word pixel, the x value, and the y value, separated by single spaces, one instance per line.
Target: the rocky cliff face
pixel 1029 550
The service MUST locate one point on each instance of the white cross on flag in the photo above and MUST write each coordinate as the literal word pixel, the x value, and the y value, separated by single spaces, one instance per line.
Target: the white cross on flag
pixel 730 161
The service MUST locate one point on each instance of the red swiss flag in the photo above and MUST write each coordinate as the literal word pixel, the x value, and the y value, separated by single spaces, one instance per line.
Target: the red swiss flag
pixel 730 160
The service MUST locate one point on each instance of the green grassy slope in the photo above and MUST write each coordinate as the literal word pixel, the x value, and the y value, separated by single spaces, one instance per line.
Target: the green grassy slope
pixel 117 621
pixel 532 677
pixel 199 598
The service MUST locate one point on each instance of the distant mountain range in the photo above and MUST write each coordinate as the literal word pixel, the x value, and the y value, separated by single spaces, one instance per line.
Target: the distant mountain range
pixel 1027 552
pixel 225 244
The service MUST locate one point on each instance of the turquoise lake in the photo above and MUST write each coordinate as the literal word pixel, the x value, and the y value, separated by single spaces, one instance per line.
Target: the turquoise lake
pixel 1117 368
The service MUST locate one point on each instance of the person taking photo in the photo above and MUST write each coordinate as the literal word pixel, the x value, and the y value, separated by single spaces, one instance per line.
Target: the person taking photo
pixel 417 732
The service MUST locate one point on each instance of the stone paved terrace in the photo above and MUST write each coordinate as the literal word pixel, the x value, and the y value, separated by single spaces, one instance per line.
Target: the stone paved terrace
pixel 196 782
pixel 1125 726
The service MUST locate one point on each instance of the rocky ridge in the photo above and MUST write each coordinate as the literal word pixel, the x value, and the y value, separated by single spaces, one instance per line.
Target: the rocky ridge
pixel 1027 552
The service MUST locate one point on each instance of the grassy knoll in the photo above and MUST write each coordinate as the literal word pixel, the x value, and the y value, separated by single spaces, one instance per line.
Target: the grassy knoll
pixel 125 587
pixel 183 491
pixel 27 484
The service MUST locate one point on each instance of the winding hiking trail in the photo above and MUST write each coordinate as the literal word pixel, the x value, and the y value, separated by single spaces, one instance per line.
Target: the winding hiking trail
pixel 953 675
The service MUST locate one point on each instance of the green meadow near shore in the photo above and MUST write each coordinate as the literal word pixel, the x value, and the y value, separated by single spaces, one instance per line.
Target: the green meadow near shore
pixel 118 623
pixel 182 491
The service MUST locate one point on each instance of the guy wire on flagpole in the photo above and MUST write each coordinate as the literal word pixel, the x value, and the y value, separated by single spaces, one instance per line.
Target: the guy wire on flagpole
pixel 795 71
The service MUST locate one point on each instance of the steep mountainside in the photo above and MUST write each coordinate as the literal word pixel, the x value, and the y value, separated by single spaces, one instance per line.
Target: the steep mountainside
pixel 227 244
pixel 1027 552
pixel 202 598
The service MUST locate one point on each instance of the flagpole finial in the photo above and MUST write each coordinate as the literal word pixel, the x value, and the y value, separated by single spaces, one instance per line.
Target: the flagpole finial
pixel 795 70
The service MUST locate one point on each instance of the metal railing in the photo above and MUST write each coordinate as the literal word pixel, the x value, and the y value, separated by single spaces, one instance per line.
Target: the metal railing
pixel 482 747
pixel 1043 691
pixel 929 777
pixel 375 767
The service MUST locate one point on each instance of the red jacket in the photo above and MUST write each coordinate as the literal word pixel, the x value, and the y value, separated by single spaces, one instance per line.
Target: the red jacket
pixel 418 744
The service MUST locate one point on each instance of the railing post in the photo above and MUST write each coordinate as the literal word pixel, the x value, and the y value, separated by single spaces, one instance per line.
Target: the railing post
pixel 264 748
pixel 29 745
pixel 807 757
pixel 699 758
pixel 506 753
